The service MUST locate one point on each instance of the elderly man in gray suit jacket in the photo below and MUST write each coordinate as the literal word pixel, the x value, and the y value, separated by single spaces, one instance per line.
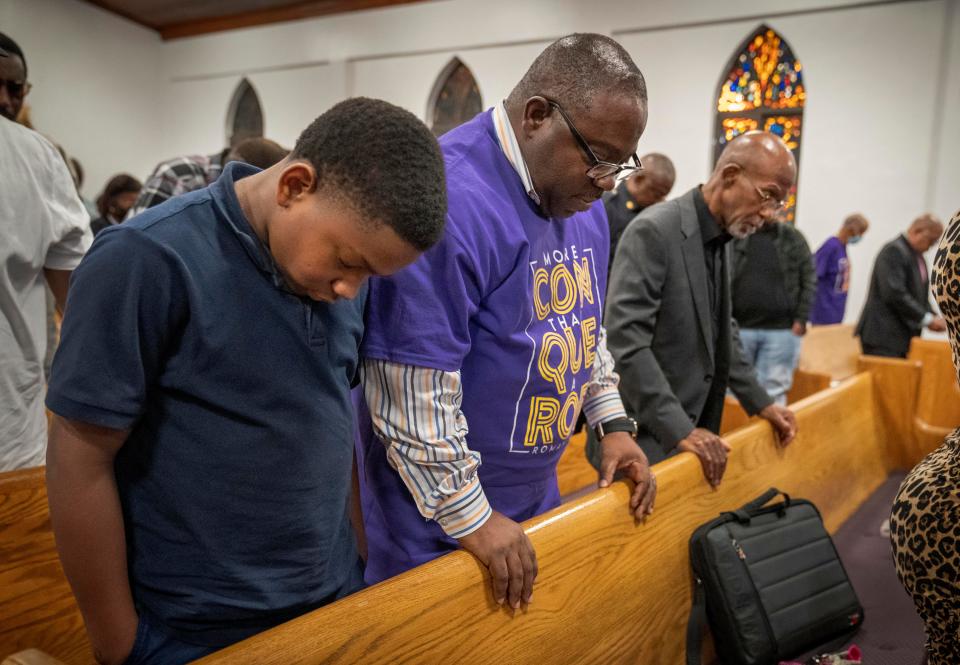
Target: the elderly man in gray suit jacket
pixel 668 319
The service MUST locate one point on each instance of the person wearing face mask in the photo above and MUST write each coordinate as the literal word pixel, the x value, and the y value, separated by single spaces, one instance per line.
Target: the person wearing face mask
pixel 115 201
pixel 898 304
pixel 670 330
pixel 833 272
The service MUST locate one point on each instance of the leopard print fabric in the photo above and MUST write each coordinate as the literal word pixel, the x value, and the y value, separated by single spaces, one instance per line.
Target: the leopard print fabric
pixel 925 522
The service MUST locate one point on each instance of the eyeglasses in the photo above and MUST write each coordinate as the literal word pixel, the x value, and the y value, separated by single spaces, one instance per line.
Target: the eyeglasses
pixel 767 200
pixel 599 169
pixel 15 88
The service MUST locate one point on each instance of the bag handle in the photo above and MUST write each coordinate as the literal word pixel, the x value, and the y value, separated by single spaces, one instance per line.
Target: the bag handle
pixel 748 509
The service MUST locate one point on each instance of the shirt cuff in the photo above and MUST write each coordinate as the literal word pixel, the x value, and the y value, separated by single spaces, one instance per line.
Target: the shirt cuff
pixel 464 512
pixel 927 319
pixel 604 406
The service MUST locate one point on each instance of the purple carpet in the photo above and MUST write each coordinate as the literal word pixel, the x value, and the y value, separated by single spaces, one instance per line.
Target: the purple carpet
pixel 892 633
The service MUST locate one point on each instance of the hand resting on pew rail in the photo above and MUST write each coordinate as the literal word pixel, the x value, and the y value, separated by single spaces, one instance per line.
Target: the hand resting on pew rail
pixel 621 453
pixel 712 450
pixel 783 420
pixel 503 547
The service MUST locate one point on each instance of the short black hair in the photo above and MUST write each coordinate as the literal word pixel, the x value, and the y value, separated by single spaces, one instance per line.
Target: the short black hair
pixel 258 151
pixel 575 68
pixel 12 48
pixel 385 162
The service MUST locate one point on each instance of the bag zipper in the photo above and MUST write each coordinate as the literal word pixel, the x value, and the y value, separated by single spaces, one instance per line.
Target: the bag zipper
pixel 756 594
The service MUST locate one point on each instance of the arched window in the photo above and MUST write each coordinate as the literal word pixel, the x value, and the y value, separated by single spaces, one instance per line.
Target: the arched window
pixel 762 88
pixel 245 116
pixel 455 98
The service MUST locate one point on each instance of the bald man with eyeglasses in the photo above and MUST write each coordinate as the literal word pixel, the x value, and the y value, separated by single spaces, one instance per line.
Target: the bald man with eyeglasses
pixel 668 313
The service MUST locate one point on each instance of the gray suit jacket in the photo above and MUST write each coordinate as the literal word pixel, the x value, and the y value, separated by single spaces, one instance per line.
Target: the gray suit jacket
pixel 660 331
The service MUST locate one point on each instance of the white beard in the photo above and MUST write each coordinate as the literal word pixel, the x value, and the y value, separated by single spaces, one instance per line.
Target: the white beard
pixel 741 230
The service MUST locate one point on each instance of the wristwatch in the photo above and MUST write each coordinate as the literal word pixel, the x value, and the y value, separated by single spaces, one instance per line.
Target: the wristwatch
pixel 628 425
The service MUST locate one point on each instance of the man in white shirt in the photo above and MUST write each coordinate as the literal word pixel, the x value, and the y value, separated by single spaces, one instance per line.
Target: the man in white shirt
pixel 44 232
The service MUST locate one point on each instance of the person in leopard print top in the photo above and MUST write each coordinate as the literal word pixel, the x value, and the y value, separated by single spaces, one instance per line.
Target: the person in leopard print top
pixel 925 521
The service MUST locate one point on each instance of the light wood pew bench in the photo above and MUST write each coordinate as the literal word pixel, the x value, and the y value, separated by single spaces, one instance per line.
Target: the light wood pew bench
pixel 609 590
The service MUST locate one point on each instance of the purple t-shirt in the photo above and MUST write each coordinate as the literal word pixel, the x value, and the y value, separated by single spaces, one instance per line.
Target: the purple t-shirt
pixel 833 282
pixel 511 299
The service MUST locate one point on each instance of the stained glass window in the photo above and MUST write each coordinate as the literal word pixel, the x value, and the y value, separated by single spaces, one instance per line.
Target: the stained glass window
pixel 245 116
pixel 786 127
pixel 762 88
pixel 455 98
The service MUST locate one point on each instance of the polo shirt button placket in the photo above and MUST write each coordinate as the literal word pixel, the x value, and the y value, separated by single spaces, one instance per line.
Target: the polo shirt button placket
pixel 315 332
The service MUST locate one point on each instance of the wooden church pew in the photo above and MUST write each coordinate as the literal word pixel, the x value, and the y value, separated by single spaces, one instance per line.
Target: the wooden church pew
pixel 938 398
pixel 609 590
pixel 574 472
pixel 37 608
pixel 31 657
pixel 804 384
pixel 831 350
pixel 921 401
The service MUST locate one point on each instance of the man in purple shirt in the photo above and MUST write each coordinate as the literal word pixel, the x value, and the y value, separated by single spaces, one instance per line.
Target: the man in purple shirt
pixel 494 338
pixel 833 272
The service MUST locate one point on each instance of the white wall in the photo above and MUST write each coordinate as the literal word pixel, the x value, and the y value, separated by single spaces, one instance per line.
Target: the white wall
pixel 873 74
pixel 96 81
pixel 874 141
pixel 861 145
pixel 945 171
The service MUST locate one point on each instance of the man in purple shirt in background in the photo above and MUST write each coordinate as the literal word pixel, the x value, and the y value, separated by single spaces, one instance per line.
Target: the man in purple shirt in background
pixel 497 330
pixel 833 272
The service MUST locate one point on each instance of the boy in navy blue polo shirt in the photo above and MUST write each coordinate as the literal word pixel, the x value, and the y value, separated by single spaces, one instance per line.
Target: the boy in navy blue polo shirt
pixel 199 463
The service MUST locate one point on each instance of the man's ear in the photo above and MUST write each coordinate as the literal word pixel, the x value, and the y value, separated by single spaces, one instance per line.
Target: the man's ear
pixel 297 180
pixel 536 110
pixel 729 174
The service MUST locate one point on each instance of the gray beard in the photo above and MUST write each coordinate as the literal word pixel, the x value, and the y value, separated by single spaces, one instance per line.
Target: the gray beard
pixel 740 231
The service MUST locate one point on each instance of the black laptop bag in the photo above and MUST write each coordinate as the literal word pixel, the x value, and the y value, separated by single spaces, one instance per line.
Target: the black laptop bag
pixel 770 582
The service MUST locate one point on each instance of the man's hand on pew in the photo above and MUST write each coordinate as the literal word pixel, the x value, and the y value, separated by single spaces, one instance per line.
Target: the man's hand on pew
pixel 503 547
pixel 621 453
pixel 783 421
pixel 712 450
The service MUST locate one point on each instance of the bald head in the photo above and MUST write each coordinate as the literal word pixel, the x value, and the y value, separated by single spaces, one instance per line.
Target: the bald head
pixel 750 182
pixel 659 164
pixel 653 182
pixel 760 154
pixel 575 69
pixel 927 223
pixel 924 232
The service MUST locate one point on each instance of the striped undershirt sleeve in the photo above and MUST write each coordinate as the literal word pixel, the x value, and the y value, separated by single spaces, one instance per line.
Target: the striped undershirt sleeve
pixel 416 412
pixel 602 402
